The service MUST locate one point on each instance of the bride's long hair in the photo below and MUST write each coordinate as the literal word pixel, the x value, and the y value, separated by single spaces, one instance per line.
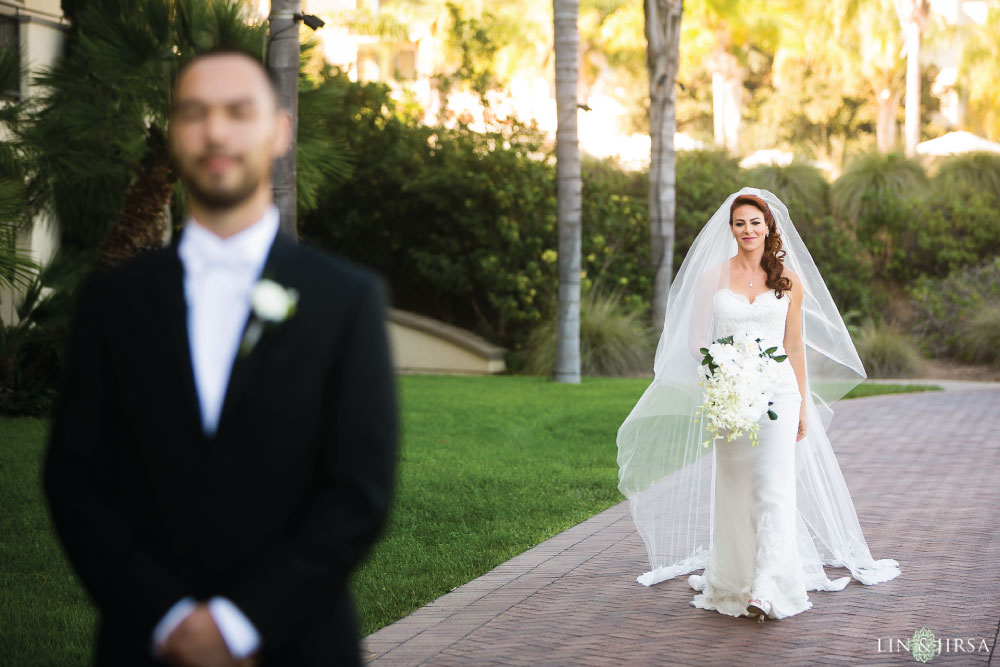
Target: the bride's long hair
pixel 771 262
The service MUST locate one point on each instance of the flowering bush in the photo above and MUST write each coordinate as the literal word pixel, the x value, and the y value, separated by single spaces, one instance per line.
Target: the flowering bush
pixel 738 377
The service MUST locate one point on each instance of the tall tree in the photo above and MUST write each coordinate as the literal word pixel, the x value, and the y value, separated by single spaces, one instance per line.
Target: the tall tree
pixel 16 266
pixel 663 37
pixel 913 18
pixel 567 41
pixel 283 61
pixel 97 129
pixel 723 37
pixel 979 74
pixel 852 45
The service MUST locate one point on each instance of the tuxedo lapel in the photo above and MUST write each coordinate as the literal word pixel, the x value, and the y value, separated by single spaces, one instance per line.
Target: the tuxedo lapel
pixel 277 267
pixel 170 292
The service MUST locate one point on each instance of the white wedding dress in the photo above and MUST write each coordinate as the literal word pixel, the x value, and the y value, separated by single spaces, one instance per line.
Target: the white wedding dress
pixel 755 552
pixel 752 521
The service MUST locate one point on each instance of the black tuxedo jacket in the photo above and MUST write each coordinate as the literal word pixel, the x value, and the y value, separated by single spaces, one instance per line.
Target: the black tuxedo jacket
pixel 276 508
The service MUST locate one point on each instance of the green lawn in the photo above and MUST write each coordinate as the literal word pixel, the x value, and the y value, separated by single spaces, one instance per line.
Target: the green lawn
pixel 877 389
pixel 490 467
pixel 45 615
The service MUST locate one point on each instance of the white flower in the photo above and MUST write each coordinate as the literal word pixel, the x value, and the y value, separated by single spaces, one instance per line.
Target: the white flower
pixel 738 378
pixel 271 302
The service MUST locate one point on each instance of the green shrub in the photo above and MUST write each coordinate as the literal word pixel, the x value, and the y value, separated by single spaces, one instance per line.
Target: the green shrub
pixel 886 352
pixel 876 192
pixel 978 171
pixel 801 187
pixel 614 339
pixel 615 237
pixel 462 224
pixel 31 350
pixel 979 337
pixel 615 216
pixel 843 263
pixel 704 180
pixel 950 229
pixel 872 179
pixel 944 306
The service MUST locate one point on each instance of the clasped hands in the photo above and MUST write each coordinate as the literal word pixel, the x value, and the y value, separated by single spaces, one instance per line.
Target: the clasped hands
pixel 197 642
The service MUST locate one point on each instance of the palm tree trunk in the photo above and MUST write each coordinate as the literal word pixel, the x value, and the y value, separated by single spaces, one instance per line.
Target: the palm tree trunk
pixel 142 222
pixel 727 89
pixel 912 127
pixel 567 38
pixel 283 61
pixel 887 102
pixel 663 30
pixel 912 16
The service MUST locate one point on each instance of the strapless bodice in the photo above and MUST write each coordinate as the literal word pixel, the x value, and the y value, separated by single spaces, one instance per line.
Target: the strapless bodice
pixel 764 319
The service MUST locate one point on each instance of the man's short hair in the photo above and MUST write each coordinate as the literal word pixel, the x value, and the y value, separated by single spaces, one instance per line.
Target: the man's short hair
pixel 226 51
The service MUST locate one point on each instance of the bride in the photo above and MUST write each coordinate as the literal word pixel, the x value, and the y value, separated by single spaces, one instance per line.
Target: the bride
pixel 760 521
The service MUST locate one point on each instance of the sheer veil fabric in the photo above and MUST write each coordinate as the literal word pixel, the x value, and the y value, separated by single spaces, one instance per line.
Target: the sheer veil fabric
pixel 669 476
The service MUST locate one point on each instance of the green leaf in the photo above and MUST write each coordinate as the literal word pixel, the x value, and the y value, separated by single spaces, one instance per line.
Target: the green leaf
pixel 771 350
pixel 703 350
pixel 781 358
pixel 772 414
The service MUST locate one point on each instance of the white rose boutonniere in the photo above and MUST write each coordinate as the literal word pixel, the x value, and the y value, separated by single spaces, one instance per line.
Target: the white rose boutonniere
pixel 270 303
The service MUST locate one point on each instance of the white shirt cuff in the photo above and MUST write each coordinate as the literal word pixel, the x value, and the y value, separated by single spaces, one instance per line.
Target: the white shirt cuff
pixel 174 617
pixel 239 633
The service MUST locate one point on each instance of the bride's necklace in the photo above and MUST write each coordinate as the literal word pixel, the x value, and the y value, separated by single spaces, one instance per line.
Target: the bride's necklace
pixel 751 282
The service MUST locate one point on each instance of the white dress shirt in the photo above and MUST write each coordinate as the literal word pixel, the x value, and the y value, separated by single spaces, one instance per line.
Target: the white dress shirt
pixel 219 274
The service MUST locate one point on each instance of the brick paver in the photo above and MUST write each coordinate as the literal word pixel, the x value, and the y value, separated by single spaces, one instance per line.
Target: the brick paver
pixel 924 473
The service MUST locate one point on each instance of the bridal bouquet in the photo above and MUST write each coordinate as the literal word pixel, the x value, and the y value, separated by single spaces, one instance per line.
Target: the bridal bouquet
pixel 738 377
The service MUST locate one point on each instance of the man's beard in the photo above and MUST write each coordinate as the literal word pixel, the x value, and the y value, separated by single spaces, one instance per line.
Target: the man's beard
pixel 221 199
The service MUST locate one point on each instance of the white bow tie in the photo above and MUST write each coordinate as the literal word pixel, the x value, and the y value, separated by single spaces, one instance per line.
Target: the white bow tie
pixel 200 257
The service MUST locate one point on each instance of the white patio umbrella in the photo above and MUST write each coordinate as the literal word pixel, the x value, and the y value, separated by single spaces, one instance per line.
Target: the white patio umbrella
pixel 957 142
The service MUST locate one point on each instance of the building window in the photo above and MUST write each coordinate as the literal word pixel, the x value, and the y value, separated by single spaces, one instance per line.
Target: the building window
pixel 9 38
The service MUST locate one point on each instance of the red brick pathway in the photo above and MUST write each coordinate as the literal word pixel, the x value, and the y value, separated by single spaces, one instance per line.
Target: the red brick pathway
pixel 924 473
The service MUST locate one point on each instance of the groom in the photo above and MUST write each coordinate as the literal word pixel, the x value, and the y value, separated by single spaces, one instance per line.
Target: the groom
pixel 223 451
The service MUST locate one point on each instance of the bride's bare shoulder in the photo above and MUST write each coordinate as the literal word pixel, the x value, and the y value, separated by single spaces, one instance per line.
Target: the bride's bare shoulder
pixel 794 279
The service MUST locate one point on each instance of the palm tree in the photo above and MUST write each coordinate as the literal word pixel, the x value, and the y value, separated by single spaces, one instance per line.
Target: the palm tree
pixel 721 38
pixel 978 76
pixel 101 123
pixel 663 30
pixel 913 18
pixel 565 13
pixel 283 61
pixel 16 267
pixel 862 36
pixel 99 128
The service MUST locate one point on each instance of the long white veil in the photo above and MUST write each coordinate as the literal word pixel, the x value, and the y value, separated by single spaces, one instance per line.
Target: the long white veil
pixel 666 473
